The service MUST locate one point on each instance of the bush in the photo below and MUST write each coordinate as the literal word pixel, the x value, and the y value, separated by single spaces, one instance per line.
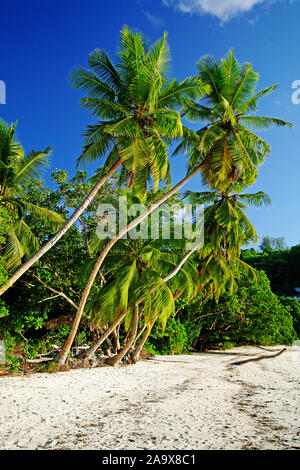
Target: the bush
pixel 172 340
pixel 294 307
pixel 253 315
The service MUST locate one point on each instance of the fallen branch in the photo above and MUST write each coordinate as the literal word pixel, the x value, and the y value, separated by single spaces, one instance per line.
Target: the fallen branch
pixel 238 363
pixel 269 350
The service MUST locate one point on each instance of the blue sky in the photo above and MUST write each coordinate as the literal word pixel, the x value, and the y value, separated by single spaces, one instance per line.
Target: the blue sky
pixel 42 41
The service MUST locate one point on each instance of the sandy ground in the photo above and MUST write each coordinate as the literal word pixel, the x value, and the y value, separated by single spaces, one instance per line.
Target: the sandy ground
pixel 196 401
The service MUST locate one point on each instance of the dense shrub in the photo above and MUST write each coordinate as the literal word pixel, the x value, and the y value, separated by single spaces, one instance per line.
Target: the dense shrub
pixel 252 315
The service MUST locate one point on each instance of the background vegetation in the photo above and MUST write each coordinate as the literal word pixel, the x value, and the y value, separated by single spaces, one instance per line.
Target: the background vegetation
pixel 63 287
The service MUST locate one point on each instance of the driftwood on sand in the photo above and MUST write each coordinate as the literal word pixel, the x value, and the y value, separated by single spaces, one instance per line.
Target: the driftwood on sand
pixel 238 363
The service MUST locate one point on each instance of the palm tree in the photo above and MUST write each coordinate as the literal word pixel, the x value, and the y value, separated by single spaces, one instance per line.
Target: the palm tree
pixel 226 225
pixel 16 171
pixel 136 290
pixel 137 107
pixel 228 135
pixel 107 248
pixel 226 151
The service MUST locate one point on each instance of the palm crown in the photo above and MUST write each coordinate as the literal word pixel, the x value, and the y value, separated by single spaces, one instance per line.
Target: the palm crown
pixel 235 150
pixel 17 170
pixel 137 105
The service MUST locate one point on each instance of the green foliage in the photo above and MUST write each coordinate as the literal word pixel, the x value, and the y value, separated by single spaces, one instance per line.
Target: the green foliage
pixel 3 309
pixel 171 340
pixel 235 151
pixel 3 273
pixel 269 244
pixel 281 267
pixel 136 107
pixel 251 315
pixel 5 224
pixel 17 240
pixel 294 307
pixel 220 300
pixel 13 362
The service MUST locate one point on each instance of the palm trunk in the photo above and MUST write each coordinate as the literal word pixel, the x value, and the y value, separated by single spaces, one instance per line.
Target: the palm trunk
pixel 117 322
pixel 64 352
pixel 116 359
pixel 136 353
pixel 116 334
pixel 53 240
pixel 179 266
pixel 139 333
pixel 88 354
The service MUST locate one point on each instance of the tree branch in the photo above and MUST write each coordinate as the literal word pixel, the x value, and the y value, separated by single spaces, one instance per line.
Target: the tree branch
pixel 58 293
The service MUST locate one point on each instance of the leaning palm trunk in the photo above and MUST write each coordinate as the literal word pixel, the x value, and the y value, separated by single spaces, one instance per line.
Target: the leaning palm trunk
pixel 138 334
pixel 112 361
pixel 65 350
pixel 116 335
pixel 101 340
pixel 53 240
pixel 136 353
pixel 114 327
pixel 89 353
pixel 116 359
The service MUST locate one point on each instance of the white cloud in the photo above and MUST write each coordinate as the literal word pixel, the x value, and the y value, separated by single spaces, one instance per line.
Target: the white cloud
pixel 156 21
pixel 222 9
pixel 253 21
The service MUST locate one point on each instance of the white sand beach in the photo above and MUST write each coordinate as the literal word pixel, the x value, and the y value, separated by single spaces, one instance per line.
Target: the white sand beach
pixel 196 401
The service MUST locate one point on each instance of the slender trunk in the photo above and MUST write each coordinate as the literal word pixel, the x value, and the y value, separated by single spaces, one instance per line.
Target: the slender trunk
pixel 136 353
pixel 117 322
pixel 112 361
pixel 139 333
pixel 179 266
pixel 53 240
pixel 117 345
pixel 64 352
pixel 109 348
pixel 98 343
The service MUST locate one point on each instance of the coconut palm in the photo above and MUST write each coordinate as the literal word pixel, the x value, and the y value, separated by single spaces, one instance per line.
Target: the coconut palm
pixel 226 151
pixel 137 290
pixel 136 105
pixel 228 113
pixel 110 244
pixel 16 171
pixel 227 227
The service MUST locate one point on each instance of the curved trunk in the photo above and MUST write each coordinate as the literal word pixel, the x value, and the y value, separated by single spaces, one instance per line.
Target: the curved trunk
pixel 65 350
pixel 113 361
pixel 136 353
pixel 116 333
pixel 53 240
pixel 88 354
